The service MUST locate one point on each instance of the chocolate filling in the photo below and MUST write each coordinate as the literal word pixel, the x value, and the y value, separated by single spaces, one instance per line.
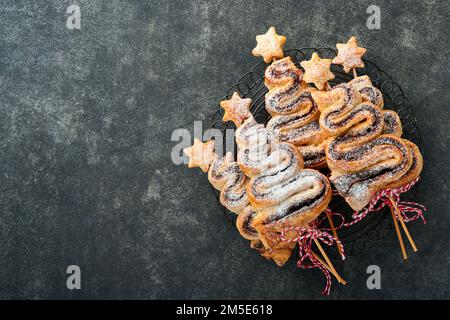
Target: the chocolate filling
pixel 358 152
pixel 376 116
pixel 298 207
pixel 247 225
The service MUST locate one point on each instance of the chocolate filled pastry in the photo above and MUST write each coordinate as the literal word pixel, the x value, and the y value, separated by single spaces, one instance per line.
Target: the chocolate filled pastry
pixel 281 192
pixel 365 153
pixel 365 182
pixel 392 123
pixel 375 164
pixel 368 92
pixel 226 176
pixel 414 170
pixel 294 113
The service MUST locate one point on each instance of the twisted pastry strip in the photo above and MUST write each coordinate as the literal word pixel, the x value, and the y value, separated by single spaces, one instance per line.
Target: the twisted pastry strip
pixel 362 159
pixel 378 162
pixel 392 123
pixel 308 137
pixel 279 190
pixel 226 176
pixel 294 113
pixel 284 81
pixel 413 171
pixel 368 92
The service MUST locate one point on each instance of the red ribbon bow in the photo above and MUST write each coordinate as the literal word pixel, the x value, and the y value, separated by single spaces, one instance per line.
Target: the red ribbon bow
pixel 305 237
pixel 383 198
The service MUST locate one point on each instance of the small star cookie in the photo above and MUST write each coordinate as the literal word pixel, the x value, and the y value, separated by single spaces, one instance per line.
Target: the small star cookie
pixel 349 55
pixel 317 71
pixel 269 45
pixel 200 154
pixel 236 109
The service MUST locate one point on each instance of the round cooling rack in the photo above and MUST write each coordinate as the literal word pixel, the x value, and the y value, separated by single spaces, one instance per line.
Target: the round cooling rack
pixel 375 226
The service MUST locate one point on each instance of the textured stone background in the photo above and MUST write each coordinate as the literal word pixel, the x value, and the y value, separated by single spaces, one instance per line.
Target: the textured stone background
pixel 85 129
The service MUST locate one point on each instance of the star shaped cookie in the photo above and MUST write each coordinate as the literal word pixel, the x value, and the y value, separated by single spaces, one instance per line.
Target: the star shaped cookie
pixel 317 71
pixel 349 55
pixel 269 45
pixel 200 154
pixel 236 109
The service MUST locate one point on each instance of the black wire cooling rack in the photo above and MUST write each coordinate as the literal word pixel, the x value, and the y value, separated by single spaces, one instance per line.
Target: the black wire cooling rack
pixel 374 227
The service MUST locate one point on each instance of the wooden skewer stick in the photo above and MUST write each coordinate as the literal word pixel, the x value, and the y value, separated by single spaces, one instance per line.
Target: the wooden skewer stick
pixel 399 235
pixel 333 229
pixel 335 274
pixel 402 222
pixel 330 265
pixel 355 75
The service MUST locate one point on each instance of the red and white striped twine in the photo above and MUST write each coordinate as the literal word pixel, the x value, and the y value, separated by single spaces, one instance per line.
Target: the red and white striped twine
pixel 383 198
pixel 305 237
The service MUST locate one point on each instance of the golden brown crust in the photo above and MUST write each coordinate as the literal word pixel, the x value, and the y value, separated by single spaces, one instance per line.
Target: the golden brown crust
pixel 294 113
pixel 271 221
pixel 226 176
pixel 269 45
pixel 317 71
pixel 368 92
pixel 379 162
pixel 236 109
pixel 392 123
pixel 362 160
pixel 349 55
pixel 200 154
pixel 244 224
pixel 279 255
pixel 282 194
pixel 414 170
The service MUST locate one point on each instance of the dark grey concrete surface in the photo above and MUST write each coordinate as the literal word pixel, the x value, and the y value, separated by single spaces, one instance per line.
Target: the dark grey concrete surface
pixel 85 142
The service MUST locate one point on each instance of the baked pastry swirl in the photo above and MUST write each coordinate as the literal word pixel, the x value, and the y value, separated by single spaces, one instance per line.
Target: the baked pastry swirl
pixel 281 192
pixel 294 113
pixel 312 125
pixel 365 153
pixel 414 170
pixel 375 164
pixel 226 176
pixel 368 92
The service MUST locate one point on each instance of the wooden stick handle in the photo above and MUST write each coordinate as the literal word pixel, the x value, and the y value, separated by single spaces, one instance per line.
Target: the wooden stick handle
pixel 330 265
pixel 355 75
pixel 402 222
pixel 335 274
pixel 399 235
pixel 333 229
